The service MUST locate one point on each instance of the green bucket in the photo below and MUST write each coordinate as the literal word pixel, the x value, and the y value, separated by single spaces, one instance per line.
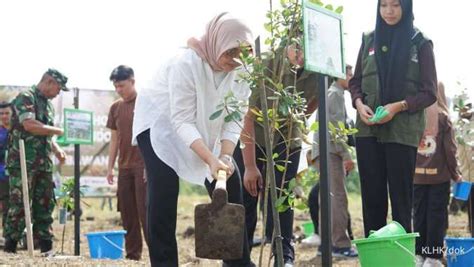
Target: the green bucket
pixel 394 251
pixel 308 228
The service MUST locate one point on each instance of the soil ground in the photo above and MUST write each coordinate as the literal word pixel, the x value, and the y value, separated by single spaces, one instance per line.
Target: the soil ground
pixel 96 219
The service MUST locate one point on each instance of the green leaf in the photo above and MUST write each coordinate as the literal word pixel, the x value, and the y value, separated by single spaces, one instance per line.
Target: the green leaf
pixel 280 168
pixel 292 184
pixel 301 206
pixel 341 125
pixel 339 9
pixel 277 125
pixel 216 114
pixel 317 2
pixel 282 208
pixel 236 116
pixel 280 201
pixel 314 126
pixel 330 7
pixel 291 200
pixel 228 118
pixel 268 27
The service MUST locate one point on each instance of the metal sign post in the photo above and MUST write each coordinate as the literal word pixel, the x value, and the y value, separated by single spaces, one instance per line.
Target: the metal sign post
pixel 324 54
pixel 325 185
pixel 77 185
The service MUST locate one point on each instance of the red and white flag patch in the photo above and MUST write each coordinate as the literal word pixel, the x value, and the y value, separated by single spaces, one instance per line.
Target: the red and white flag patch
pixel 371 51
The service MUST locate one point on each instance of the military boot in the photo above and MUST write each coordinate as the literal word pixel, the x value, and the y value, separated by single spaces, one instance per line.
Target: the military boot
pixel 46 247
pixel 10 246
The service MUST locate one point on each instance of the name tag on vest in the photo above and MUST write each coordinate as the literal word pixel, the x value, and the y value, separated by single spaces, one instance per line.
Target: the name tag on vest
pixel 414 57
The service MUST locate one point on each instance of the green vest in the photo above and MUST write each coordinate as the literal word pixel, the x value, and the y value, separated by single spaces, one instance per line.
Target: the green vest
pixel 405 128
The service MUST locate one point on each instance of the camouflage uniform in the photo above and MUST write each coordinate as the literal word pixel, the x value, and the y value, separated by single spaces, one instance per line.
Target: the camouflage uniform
pixel 31 104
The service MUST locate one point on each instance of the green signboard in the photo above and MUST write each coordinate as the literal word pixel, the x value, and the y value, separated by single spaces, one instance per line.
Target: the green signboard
pixel 323 41
pixel 78 126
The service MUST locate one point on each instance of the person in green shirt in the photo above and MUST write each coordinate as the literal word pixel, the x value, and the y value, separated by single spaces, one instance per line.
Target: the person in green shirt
pixel 252 137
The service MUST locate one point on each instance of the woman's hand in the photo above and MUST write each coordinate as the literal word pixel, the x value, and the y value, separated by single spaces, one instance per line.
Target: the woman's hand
pixel 393 109
pixel 228 161
pixel 216 165
pixel 252 180
pixel 365 112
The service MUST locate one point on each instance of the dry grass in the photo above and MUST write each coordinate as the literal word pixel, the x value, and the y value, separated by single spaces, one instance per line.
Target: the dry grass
pixel 104 220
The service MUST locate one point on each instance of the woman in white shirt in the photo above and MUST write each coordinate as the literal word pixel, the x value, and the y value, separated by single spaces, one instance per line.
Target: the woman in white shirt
pixel 176 136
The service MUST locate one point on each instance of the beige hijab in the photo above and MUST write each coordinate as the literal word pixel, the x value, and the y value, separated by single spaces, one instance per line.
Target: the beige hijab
pixel 223 32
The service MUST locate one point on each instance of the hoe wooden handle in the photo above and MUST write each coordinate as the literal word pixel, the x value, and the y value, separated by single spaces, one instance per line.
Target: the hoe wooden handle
pixel 221 180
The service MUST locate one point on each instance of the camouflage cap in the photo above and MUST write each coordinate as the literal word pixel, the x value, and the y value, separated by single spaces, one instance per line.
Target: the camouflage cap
pixel 59 77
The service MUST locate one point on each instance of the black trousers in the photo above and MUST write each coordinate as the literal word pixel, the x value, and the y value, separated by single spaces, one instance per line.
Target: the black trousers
pixel 385 168
pixel 250 202
pixel 431 218
pixel 162 201
pixel 313 205
pixel 470 212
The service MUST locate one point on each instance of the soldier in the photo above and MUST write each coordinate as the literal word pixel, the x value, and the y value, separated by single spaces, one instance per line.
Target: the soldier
pixel 32 120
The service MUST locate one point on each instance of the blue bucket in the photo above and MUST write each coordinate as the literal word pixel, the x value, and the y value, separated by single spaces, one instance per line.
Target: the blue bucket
pixel 459 251
pixel 462 190
pixel 106 245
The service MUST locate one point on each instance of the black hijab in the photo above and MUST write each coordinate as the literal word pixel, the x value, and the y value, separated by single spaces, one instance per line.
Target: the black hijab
pixel 392 63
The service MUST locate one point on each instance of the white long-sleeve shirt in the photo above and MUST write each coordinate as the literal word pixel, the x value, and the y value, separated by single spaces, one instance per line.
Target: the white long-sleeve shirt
pixel 176 108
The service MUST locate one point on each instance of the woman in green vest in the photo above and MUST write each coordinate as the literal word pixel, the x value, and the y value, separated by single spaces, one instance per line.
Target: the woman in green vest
pixel 395 72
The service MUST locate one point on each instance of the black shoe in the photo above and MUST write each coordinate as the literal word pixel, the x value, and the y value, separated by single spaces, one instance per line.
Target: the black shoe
pixel 251 264
pixel 348 252
pixel 45 245
pixel 286 263
pixel 258 241
pixel 10 246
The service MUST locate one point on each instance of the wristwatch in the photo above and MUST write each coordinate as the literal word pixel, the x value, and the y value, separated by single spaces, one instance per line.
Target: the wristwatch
pixel 226 157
